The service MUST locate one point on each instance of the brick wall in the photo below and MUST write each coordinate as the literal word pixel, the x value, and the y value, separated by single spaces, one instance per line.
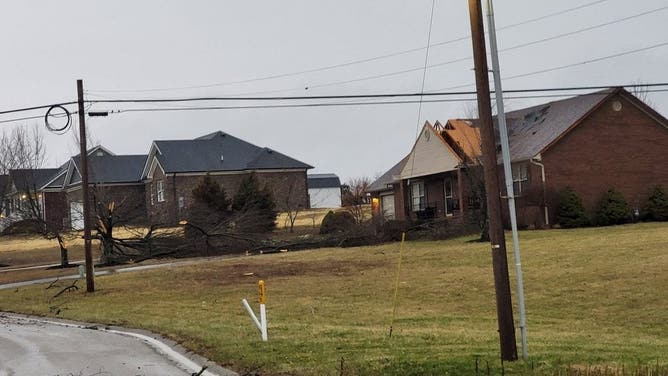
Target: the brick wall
pixel 288 189
pixel 626 150
pixel 129 199
pixel 56 210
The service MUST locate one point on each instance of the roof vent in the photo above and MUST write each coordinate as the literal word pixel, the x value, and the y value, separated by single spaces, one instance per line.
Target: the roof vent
pixel 221 158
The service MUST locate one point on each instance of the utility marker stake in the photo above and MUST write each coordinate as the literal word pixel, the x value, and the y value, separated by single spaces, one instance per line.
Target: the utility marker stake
pixel 261 324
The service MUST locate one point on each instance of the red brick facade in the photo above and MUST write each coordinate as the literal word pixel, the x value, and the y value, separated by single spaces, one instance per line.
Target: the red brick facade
pixel 622 148
pixel 288 189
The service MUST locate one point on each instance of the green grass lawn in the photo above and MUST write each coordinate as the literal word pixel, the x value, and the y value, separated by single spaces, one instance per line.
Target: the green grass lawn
pixel 594 297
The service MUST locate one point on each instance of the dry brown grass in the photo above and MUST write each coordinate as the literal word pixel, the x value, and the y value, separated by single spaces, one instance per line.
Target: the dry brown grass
pixel 594 297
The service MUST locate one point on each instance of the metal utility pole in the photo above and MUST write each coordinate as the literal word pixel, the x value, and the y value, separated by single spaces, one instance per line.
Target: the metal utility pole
pixel 504 306
pixel 508 174
pixel 90 278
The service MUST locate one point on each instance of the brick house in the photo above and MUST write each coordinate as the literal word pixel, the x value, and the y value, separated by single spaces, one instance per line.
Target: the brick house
pixel 23 198
pixel 112 178
pixel 175 167
pixel 430 181
pixel 591 142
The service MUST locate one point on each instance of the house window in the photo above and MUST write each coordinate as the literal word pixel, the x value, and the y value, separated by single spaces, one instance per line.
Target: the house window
pixel 417 196
pixel 160 190
pixel 152 193
pixel 520 178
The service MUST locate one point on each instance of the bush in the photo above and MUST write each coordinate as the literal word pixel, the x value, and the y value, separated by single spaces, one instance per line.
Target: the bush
pixel 656 207
pixel 337 222
pixel 613 209
pixel 254 208
pixel 212 195
pixel 24 226
pixel 570 211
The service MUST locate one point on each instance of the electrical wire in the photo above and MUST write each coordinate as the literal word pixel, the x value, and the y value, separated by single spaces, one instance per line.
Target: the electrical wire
pixel 340 104
pixel 361 96
pixel 458 60
pixel 424 76
pixel 350 63
pixel 650 86
pixel 560 67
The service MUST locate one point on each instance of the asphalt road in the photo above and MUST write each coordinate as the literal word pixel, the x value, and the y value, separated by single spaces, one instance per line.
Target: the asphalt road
pixel 31 347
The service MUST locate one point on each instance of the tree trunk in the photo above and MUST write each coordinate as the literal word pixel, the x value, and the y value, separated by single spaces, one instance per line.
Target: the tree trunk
pixel 64 259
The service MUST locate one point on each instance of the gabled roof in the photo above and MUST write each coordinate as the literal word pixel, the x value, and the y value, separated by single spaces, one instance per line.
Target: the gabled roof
pixel 219 151
pixel 110 169
pixel 391 176
pixel 23 179
pixel 430 154
pixel 323 181
pixel 533 130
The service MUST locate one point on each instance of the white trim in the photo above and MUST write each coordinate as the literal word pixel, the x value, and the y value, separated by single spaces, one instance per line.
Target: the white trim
pixel 160 190
pixel 54 179
pixel 151 153
pixel 155 162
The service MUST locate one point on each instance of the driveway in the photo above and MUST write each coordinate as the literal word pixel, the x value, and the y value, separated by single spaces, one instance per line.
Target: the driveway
pixel 31 346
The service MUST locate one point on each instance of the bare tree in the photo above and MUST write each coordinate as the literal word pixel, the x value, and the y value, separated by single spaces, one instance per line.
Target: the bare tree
pixel 641 91
pixel 293 207
pixel 114 211
pixel 354 198
pixel 23 149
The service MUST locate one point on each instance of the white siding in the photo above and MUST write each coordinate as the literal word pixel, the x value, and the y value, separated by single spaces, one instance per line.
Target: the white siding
pixel 325 197
pixel 430 155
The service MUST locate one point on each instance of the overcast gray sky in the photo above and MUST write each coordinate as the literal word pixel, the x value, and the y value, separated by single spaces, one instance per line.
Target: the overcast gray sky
pixel 137 45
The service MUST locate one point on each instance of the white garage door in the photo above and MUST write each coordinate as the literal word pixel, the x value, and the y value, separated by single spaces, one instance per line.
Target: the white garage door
pixel 387 206
pixel 76 215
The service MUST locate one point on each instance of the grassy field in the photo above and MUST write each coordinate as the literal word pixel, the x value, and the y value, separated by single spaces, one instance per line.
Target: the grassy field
pixel 26 250
pixel 594 297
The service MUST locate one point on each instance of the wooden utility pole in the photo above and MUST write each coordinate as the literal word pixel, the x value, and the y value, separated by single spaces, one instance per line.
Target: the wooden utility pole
pixel 90 278
pixel 504 307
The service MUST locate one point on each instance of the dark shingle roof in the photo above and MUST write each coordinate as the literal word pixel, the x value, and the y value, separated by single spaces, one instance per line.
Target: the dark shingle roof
pixel 4 181
pixel 323 181
pixel 385 180
pixel 112 169
pixel 531 130
pixel 31 178
pixel 219 151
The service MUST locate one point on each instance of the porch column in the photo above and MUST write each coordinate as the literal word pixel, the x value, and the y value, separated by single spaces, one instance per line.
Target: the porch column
pixel 460 190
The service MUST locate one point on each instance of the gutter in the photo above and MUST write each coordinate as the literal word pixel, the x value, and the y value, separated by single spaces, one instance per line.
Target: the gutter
pixel 536 161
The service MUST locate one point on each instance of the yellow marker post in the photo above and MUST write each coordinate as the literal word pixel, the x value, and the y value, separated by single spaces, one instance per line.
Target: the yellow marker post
pixel 263 292
pixel 262 323
pixel 263 309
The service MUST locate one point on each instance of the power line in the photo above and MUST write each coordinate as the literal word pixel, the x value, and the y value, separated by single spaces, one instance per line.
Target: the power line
pixel 360 96
pixel 335 104
pixel 560 67
pixel 340 104
pixel 36 107
pixel 652 87
pixel 354 62
pixel 459 60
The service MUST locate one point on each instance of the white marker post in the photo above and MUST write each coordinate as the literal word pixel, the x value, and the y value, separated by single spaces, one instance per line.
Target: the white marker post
pixel 262 323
